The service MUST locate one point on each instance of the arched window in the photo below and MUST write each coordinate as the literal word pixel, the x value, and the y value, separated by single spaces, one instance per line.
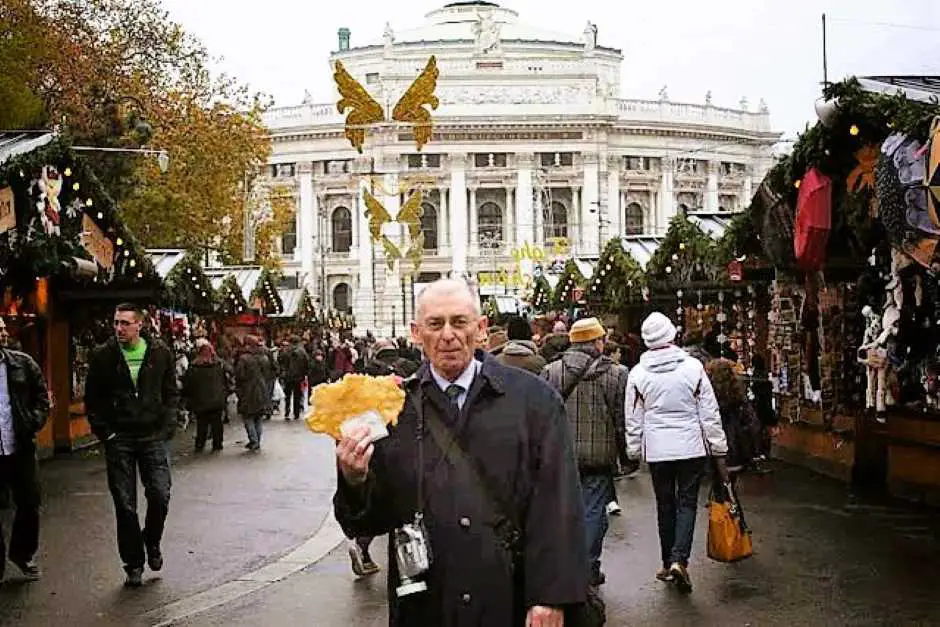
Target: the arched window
pixel 342 230
pixel 555 221
pixel 341 298
pixel 490 223
pixel 634 222
pixel 429 226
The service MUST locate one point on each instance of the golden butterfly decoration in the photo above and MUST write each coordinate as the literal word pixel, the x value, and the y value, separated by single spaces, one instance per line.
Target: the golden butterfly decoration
pixel 364 110
pixel 410 215
pixel 863 176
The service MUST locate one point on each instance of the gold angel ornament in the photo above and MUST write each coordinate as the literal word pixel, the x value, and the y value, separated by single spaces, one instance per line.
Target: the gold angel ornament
pixel 410 215
pixel 365 111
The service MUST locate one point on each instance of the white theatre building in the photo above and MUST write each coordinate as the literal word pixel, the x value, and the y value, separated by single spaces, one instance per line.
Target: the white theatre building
pixel 532 142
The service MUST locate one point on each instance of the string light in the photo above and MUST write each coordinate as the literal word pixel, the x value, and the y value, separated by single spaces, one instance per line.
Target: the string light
pixel 89 203
pixel 119 241
pixel 853 130
pixel 76 186
pixel 100 216
pixel 68 172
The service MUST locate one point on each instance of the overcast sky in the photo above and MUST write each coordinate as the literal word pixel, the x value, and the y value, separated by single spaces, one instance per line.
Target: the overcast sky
pixel 767 49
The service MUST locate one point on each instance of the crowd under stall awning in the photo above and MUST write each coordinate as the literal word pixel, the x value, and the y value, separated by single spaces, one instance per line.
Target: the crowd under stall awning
pixel 297 305
pixel 256 287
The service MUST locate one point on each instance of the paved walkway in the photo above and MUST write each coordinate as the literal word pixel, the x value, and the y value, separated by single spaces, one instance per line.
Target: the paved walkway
pixel 230 514
pixel 821 560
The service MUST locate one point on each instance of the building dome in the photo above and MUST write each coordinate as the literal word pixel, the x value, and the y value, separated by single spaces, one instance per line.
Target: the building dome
pixel 459 22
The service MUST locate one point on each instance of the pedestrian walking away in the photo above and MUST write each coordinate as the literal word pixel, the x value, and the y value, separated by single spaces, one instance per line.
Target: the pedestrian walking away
pixel 205 390
pixel 24 408
pixel 593 388
pixel 295 365
pixel 252 388
pixel 457 476
pixel 673 422
pixel 131 397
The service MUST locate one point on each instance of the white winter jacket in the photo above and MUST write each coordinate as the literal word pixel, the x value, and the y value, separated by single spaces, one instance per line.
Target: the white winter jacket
pixel 671 409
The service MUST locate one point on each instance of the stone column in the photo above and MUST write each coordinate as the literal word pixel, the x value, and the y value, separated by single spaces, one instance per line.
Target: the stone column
pixel 711 190
pixel 509 224
pixel 525 216
pixel 458 213
pixel 443 222
pixel 667 201
pixel 589 218
pixel 474 231
pixel 362 296
pixel 614 200
pixel 306 222
pixel 392 301
pixel 748 189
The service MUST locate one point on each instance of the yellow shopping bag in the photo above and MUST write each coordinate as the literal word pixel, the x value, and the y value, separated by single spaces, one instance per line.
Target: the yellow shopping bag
pixel 729 539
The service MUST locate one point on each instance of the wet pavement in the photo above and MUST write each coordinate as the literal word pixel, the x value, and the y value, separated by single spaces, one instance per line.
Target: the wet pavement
pixel 230 513
pixel 821 559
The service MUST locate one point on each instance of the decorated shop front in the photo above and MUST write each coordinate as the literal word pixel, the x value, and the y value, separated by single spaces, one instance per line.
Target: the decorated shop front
pixel 850 221
pixel 66 259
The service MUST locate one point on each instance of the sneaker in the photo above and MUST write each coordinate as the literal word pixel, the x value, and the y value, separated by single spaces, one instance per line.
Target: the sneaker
pixel 135 578
pixel 663 574
pixel 369 567
pixel 680 576
pixel 29 568
pixel 154 558
pixel 614 509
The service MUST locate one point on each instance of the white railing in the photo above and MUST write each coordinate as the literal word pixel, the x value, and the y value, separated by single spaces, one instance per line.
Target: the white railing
pixel 678 112
pixel 301 115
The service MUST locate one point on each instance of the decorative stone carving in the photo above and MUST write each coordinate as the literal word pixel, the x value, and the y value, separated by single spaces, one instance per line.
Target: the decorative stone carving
pixel 590 37
pixel 762 107
pixel 744 103
pixel 708 98
pixel 641 198
pixel 515 94
pixel 487 33
pixel 304 168
pixel 692 200
pixel 308 98
pixel 388 36
pixel 664 94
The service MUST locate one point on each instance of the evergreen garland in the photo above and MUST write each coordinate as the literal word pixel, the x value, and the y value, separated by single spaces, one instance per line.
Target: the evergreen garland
pixel 541 294
pixel 571 278
pixel 686 255
pixel 618 280
pixel 188 288
pixel 266 290
pixel 28 252
pixel 231 300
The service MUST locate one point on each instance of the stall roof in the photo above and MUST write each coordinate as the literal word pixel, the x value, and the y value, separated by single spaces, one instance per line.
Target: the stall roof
pixel 12 144
pixel 714 224
pixel 920 88
pixel 292 299
pixel 585 268
pixel 641 247
pixel 165 259
pixel 245 276
pixel 553 280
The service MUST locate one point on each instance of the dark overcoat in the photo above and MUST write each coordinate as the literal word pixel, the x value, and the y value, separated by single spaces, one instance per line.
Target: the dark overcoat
pixel 514 424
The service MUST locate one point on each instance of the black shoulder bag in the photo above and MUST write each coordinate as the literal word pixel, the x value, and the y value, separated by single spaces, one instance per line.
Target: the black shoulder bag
pixel 593 612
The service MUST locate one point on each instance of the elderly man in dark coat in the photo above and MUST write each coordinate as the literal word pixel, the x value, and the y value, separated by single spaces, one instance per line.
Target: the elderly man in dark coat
pixel 497 456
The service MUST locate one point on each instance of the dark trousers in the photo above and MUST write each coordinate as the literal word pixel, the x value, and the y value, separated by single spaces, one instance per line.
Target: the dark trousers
pixel 293 390
pixel 209 422
pixel 597 490
pixel 676 484
pixel 19 474
pixel 124 458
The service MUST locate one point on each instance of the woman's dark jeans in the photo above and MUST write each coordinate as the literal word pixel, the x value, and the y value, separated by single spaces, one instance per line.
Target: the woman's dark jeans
pixel 209 422
pixel 676 484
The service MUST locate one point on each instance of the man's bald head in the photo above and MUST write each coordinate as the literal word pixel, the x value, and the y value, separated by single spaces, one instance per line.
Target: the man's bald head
pixel 448 324
pixel 445 288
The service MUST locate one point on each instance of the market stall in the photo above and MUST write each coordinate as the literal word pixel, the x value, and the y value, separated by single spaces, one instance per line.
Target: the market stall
pixel 850 222
pixel 66 258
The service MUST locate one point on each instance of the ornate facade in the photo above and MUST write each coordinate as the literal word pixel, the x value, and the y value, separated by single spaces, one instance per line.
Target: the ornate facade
pixel 531 144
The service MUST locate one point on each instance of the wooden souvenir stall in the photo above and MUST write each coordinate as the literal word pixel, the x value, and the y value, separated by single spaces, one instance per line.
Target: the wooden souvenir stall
pixel 850 221
pixel 66 259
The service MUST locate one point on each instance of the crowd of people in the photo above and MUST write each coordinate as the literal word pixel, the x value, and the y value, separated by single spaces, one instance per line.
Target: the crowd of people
pixel 502 464
pixel 504 459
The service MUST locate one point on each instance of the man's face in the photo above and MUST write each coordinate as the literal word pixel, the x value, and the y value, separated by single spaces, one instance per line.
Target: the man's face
pixel 126 326
pixel 4 334
pixel 447 329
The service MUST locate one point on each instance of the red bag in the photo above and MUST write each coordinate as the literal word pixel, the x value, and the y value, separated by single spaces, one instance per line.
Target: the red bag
pixel 813 220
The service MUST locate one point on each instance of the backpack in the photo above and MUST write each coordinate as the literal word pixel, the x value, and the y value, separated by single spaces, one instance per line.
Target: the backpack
pixel 813 220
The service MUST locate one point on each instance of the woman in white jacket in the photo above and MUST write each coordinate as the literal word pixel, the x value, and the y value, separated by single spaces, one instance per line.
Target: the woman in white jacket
pixel 673 423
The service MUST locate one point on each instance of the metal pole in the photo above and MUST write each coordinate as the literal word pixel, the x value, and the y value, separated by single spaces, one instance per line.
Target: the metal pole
pixel 824 53
pixel 393 322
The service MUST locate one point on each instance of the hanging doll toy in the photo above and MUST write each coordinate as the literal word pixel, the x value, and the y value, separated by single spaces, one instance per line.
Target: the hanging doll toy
pixel 50 186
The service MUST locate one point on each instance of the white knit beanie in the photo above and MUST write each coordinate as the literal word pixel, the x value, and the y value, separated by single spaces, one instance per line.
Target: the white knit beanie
pixel 658 331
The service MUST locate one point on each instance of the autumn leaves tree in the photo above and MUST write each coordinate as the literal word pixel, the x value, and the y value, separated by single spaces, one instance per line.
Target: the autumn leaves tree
pixel 121 74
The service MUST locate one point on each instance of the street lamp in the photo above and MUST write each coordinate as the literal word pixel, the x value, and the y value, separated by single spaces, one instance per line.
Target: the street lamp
pixel 163 157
